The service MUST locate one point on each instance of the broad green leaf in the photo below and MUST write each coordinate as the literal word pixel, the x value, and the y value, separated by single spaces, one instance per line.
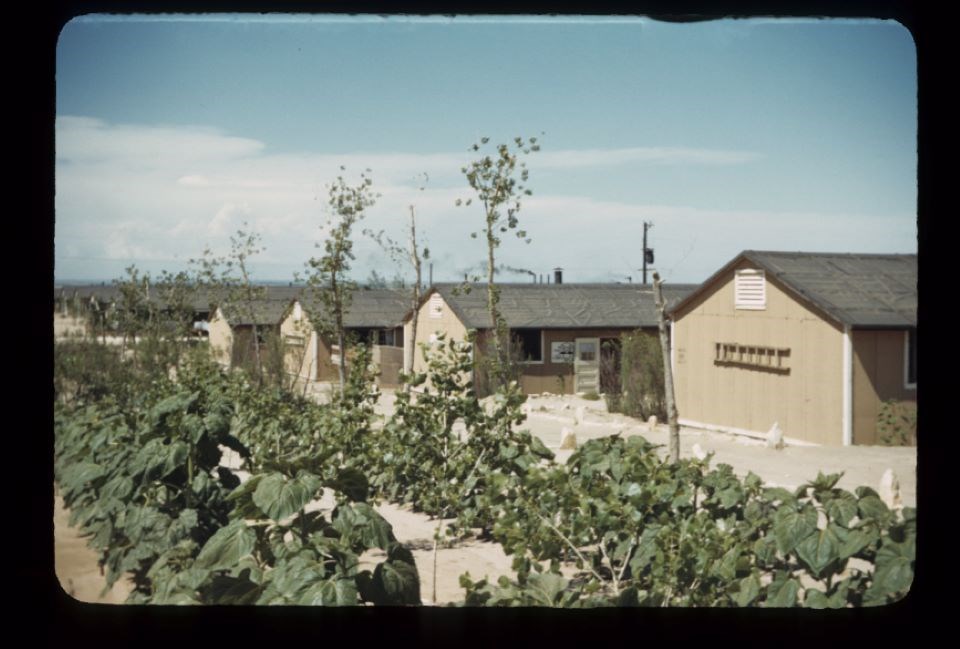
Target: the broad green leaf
pixel 279 497
pixel 539 449
pixel 730 496
pixel 772 494
pixel 815 598
pixel 82 473
pixel 396 583
pixel 841 508
pixel 752 481
pixel 227 546
pixel 824 482
pixel 139 520
pixel 893 574
pixel 360 523
pixel 545 588
pixel 790 526
pixel 176 456
pixel 853 541
pixel 821 550
pixel 120 486
pixel 352 483
pixel 231 590
pixel 871 507
pixel 782 592
pixel 646 550
pixel 242 498
pixel 749 590
pixel 726 568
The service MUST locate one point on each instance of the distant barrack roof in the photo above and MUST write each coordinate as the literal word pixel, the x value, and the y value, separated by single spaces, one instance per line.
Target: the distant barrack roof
pixel 562 306
pixel 375 308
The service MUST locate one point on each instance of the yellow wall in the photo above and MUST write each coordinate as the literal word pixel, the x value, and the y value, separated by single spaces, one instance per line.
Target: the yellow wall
pixel 878 376
pixel 447 324
pixel 807 402
pixel 299 360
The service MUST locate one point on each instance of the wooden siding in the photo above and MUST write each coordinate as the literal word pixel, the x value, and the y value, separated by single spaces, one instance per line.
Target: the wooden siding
pixel 878 376
pixel 807 402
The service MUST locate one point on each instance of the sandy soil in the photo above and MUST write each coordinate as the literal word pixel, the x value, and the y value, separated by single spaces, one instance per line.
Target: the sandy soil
pixel 548 416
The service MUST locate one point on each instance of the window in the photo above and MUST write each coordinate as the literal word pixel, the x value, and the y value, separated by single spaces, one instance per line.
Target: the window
pixel 750 289
pixel 386 337
pixel 531 344
pixel 436 306
pixel 775 359
pixel 910 358
pixel 297 312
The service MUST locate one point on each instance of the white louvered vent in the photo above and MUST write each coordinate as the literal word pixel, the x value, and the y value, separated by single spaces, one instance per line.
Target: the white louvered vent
pixel 750 290
pixel 436 306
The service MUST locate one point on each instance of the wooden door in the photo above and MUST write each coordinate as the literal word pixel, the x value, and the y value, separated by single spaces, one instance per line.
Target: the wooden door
pixel 586 365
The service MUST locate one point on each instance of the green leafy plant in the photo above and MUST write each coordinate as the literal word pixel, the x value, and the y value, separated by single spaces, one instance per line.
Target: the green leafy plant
pixel 641 378
pixel 897 423
pixel 654 533
pixel 146 481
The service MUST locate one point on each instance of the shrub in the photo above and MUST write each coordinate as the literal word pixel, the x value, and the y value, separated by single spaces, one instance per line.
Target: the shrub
pixel 641 378
pixel 897 423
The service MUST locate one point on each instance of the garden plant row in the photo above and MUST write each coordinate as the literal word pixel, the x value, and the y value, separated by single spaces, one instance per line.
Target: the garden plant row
pixel 142 477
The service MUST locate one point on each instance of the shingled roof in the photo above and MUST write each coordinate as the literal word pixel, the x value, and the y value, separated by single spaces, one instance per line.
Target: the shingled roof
pixel 371 308
pixel 859 290
pixel 563 306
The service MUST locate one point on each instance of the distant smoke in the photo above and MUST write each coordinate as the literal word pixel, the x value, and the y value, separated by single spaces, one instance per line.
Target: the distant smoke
pixel 481 269
pixel 519 271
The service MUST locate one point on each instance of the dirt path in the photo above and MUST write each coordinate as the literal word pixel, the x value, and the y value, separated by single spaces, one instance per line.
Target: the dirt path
pixel 76 564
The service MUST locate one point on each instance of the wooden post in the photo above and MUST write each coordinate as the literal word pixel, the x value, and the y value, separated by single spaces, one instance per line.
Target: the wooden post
pixel 667 371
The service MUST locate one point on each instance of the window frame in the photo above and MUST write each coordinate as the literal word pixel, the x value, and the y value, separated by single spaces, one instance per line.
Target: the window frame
pixel 540 331
pixel 908 336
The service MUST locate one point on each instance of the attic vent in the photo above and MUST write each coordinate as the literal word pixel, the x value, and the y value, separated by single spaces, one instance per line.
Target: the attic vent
pixel 297 312
pixel 750 290
pixel 436 306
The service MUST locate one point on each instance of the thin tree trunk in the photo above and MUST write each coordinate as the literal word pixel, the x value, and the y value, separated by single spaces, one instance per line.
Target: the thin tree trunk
pixel 667 371
pixel 410 351
pixel 492 301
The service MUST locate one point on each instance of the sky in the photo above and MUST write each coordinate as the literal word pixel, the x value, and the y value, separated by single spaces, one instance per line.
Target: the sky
pixel 174 132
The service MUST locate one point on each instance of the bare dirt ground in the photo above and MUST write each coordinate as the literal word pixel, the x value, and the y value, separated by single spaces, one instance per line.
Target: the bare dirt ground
pixel 547 417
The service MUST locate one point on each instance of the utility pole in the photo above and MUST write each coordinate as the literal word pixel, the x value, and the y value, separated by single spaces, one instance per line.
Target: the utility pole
pixel 647 252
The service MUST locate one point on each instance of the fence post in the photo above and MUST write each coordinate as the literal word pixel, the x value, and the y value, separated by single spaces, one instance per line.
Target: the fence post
pixel 667 371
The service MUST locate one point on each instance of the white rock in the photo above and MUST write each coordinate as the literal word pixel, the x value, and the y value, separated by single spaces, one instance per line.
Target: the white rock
pixel 652 422
pixel 568 439
pixel 890 489
pixel 580 412
pixel 775 436
pixel 698 452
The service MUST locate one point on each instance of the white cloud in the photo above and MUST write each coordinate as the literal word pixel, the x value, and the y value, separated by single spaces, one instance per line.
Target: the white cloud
pixel 136 193
pixel 654 155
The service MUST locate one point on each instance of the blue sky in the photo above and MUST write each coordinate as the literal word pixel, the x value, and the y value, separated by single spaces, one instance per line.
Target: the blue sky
pixel 727 135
